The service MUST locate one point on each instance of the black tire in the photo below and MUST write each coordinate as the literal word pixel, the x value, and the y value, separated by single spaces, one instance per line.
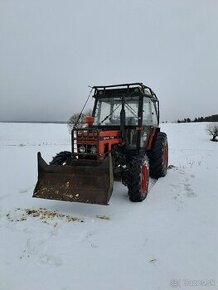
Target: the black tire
pixel 138 178
pixel 62 158
pixel 158 157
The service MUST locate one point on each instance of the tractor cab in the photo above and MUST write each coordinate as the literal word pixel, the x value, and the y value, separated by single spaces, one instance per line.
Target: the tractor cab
pixel 137 105
pixel 133 109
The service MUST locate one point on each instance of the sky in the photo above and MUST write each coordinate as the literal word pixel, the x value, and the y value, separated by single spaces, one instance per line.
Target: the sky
pixel 51 51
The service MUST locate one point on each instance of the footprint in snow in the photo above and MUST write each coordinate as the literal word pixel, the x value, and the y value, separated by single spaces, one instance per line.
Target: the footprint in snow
pixel 50 260
pixel 24 190
pixel 87 237
pixel 153 260
pixel 32 247
pixel 174 185
pixel 189 191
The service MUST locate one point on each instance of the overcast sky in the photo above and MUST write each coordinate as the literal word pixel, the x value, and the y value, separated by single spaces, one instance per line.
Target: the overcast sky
pixel 52 50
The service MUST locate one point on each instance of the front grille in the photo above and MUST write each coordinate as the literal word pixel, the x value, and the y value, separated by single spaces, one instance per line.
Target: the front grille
pixel 86 137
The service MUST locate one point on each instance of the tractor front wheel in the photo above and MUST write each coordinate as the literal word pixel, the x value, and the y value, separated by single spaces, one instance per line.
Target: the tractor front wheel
pixel 62 158
pixel 138 179
pixel 158 156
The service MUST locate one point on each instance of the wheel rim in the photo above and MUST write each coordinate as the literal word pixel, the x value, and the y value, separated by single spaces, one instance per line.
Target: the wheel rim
pixel 165 156
pixel 144 178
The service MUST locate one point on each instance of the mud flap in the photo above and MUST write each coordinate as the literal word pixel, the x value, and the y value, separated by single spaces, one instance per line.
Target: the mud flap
pixel 83 181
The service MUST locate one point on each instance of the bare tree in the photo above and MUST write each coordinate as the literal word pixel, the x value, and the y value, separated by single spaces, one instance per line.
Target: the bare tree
pixel 212 130
pixel 78 119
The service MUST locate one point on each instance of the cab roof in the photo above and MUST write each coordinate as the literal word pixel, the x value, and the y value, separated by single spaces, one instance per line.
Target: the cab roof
pixel 124 90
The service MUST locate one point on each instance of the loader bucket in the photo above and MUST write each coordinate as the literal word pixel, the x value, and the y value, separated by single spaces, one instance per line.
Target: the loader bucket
pixel 87 181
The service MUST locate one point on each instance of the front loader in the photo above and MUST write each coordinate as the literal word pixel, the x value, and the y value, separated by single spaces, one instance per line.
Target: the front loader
pixel 121 141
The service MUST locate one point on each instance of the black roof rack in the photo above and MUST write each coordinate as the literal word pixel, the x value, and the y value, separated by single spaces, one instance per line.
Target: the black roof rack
pixel 119 85
pixel 128 86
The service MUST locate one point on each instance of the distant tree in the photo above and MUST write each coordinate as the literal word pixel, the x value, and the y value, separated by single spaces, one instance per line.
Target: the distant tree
pixel 78 119
pixel 212 130
pixel 213 118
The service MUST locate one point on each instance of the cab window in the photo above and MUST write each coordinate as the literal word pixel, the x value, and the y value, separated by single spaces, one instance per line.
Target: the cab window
pixel 149 113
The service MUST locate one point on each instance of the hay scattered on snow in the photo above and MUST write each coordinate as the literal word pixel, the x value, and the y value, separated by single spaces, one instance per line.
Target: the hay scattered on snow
pixel 42 213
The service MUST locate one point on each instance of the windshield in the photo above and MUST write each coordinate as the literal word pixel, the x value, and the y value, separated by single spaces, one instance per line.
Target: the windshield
pixel 108 111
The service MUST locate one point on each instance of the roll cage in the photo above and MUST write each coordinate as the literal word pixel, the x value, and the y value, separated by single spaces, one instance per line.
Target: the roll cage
pixel 124 92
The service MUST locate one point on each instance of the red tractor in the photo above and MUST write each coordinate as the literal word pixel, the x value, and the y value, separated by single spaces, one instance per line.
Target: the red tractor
pixel 121 141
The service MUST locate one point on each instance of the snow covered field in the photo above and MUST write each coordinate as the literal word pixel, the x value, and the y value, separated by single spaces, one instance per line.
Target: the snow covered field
pixel 169 241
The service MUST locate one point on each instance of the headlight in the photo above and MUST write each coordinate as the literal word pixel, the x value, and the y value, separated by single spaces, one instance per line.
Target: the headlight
pixel 82 149
pixel 93 149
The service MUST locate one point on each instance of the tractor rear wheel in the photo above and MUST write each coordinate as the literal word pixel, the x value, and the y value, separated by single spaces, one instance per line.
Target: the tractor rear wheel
pixel 62 158
pixel 138 178
pixel 158 157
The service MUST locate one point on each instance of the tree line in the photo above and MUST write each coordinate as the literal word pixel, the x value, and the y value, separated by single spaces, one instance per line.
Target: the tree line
pixel 212 118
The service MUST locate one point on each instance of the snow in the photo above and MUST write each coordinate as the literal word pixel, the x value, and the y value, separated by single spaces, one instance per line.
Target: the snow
pixel 168 241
